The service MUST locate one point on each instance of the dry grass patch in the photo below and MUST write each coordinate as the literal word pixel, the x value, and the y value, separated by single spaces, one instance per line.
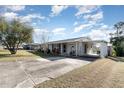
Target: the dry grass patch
pixel 101 73
pixel 20 55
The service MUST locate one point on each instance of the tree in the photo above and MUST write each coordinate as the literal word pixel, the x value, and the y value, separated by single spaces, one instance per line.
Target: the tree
pixel 44 39
pixel 119 29
pixel 117 39
pixel 13 33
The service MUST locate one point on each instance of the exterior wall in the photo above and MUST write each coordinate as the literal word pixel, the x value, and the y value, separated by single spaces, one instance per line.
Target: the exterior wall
pixel 69 45
pixel 50 47
pixel 103 50
pixel 89 48
pixel 80 48
pixel 63 50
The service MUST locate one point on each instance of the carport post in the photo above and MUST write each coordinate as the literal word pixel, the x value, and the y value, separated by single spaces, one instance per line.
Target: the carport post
pixel 76 48
pixel 61 49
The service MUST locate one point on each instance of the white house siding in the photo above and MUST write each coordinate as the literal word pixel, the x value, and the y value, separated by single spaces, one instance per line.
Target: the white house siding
pixel 89 48
pixel 69 45
pixel 50 47
pixel 103 49
pixel 81 48
pixel 61 49
pixel 67 48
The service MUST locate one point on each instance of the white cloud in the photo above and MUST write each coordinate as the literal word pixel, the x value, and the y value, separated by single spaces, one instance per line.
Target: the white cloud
pixel 90 19
pixel 101 33
pixel 97 34
pixel 39 31
pixel 103 27
pixel 95 17
pixel 15 7
pixel 57 9
pixel 10 15
pixel 34 24
pixel 29 17
pixel 37 35
pixel 85 9
pixel 81 27
pixel 58 31
pixel 75 23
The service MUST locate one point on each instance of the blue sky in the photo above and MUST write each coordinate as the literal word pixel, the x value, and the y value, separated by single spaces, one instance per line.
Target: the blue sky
pixel 62 22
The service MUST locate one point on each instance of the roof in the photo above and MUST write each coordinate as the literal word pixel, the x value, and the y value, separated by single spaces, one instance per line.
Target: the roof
pixel 80 39
pixel 71 40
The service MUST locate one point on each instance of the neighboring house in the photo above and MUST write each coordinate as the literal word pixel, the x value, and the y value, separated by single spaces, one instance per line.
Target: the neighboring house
pixel 31 46
pixel 82 46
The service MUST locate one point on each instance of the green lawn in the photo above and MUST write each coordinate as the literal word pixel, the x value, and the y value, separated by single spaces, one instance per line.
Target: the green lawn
pixel 20 55
pixel 117 58
pixel 121 58
pixel 103 73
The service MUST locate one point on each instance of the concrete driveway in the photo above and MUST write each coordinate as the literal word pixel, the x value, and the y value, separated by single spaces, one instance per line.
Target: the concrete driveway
pixel 29 73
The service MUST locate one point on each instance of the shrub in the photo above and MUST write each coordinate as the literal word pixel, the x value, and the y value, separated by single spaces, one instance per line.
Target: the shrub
pixel 113 52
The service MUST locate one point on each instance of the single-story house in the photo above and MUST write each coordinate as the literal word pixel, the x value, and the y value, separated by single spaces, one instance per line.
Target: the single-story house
pixel 79 47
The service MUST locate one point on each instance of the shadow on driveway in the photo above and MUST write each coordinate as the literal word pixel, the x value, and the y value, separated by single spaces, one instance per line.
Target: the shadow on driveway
pixel 55 58
pixel 59 57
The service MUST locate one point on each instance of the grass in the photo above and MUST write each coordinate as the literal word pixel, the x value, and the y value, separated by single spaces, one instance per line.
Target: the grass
pixel 121 58
pixel 103 73
pixel 117 58
pixel 20 55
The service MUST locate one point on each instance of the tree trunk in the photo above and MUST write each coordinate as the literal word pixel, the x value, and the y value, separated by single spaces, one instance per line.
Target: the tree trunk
pixel 12 51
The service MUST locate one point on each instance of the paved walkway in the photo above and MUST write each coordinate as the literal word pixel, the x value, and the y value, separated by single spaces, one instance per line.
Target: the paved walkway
pixel 29 73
